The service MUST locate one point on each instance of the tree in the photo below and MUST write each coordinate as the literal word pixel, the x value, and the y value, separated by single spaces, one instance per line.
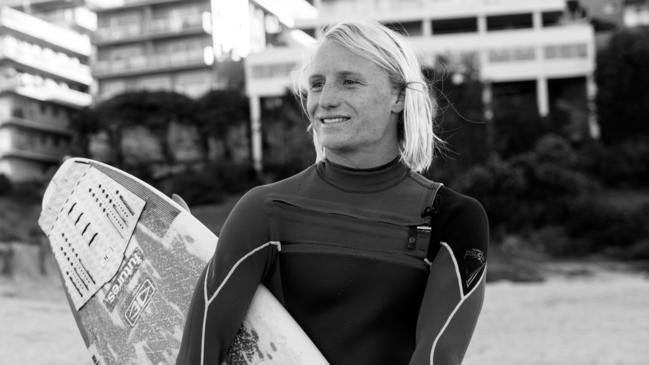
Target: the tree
pixel 622 77
pixel 215 113
pixel 459 121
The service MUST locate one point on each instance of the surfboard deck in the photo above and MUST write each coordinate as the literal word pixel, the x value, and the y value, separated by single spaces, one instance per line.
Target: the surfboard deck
pixel 130 257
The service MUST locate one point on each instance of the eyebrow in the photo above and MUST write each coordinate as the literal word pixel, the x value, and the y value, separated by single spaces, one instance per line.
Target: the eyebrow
pixel 339 73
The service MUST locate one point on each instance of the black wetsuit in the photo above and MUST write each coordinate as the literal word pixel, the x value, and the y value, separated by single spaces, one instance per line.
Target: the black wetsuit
pixel 378 266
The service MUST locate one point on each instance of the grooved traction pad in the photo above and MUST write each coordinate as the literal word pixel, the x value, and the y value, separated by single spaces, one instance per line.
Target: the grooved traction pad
pixel 90 230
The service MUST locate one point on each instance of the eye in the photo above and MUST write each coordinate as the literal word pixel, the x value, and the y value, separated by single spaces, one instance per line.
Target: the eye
pixel 350 82
pixel 316 85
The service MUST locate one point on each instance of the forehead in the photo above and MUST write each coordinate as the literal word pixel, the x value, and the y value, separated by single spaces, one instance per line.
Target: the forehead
pixel 331 57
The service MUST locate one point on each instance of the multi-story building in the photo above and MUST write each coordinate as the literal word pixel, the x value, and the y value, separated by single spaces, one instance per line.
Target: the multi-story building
pixel 73 14
pixel 188 46
pixel 530 47
pixel 153 44
pixel 44 79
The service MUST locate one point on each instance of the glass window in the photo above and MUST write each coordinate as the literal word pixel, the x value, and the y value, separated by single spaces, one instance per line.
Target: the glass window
pixel 514 21
pixel 455 25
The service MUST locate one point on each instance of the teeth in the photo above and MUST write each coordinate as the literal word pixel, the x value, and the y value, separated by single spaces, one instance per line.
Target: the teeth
pixel 333 120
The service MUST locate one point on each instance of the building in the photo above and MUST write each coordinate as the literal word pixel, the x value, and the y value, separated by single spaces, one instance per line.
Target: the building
pixel 636 13
pixel 187 46
pixel 144 44
pixel 72 14
pixel 532 47
pixel 44 79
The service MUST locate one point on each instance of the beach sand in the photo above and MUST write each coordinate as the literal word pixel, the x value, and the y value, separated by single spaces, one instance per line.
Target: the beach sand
pixel 590 314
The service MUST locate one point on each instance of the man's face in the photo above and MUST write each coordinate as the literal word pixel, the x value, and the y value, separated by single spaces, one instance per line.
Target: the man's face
pixel 353 107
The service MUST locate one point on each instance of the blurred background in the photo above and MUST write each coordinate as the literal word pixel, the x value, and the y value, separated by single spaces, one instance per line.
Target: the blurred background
pixel 543 103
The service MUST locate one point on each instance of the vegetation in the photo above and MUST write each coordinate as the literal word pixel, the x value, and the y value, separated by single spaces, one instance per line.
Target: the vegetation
pixel 537 183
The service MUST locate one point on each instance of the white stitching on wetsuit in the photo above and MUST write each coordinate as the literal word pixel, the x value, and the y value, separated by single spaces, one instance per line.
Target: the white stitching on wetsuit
pixel 211 299
pixel 463 298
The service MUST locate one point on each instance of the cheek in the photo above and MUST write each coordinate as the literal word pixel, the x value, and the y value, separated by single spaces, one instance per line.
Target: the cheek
pixel 310 105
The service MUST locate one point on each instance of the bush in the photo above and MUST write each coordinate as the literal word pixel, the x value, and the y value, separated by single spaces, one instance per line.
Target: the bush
pixel 29 191
pixel 620 165
pixel 209 185
pixel 622 75
pixel 529 190
pixel 5 185
pixel 607 226
pixel 500 187
pixel 195 187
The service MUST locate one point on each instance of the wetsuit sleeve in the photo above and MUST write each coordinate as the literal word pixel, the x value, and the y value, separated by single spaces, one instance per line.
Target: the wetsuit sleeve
pixel 455 287
pixel 225 289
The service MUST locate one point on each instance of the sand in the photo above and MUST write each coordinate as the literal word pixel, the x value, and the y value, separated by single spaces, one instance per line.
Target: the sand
pixel 600 316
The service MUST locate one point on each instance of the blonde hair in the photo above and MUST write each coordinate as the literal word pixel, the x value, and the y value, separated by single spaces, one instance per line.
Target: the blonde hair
pixel 392 52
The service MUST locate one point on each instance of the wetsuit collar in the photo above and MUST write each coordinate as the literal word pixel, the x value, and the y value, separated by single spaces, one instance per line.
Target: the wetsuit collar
pixel 363 180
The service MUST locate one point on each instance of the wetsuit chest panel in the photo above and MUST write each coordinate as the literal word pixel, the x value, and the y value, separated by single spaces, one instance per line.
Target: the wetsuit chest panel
pixel 333 228
pixel 350 270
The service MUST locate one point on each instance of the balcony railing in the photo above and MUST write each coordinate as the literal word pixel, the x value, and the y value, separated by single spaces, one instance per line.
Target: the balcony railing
pixel 507 55
pixel 47 91
pixel 45 31
pixel 150 63
pixel 153 28
pixel 27 154
pixel 49 62
pixel 32 125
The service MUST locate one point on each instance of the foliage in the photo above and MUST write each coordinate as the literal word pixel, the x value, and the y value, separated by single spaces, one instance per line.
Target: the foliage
pixel 215 113
pixel 287 144
pixel 529 190
pixel 457 91
pixel 209 185
pixel 605 226
pixel 623 164
pixel 5 185
pixel 621 76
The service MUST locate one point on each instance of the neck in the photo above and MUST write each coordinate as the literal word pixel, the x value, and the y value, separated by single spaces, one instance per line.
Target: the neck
pixel 363 180
pixel 360 160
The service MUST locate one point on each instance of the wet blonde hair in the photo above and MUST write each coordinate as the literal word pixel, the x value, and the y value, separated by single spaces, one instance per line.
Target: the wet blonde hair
pixel 392 52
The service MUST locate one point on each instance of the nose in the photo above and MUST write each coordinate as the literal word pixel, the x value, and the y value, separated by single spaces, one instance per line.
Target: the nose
pixel 329 97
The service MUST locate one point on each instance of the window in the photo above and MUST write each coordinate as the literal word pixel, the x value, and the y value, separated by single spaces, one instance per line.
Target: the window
pixel 406 28
pixel 505 22
pixel 552 18
pixel 17 113
pixel 455 25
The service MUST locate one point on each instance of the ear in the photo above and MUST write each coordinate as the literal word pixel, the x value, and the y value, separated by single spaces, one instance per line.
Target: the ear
pixel 397 105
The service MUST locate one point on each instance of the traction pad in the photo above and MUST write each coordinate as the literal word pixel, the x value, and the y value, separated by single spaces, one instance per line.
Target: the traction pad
pixel 90 230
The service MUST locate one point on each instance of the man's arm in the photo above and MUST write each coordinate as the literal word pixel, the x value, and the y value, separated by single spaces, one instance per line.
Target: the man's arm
pixel 225 289
pixel 455 287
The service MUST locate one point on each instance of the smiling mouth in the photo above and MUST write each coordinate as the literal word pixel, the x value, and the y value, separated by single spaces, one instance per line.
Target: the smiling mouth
pixel 333 120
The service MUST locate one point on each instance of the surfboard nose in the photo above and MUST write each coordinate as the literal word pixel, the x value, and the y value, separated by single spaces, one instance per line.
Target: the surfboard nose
pixel 56 191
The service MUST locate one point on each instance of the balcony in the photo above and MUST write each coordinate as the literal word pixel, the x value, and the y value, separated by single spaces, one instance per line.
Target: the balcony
pixel 44 31
pixel 153 63
pixel 109 5
pixel 34 126
pixel 45 61
pixel 30 155
pixel 157 28
pixel 47 91
pixel 413 10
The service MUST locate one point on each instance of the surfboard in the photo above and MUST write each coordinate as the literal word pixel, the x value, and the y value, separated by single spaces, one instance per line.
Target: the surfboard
pixel 130 257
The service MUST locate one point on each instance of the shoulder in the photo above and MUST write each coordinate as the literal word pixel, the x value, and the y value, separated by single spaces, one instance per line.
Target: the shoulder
pixel 256 196
pixel 464 220
pixel 458 205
